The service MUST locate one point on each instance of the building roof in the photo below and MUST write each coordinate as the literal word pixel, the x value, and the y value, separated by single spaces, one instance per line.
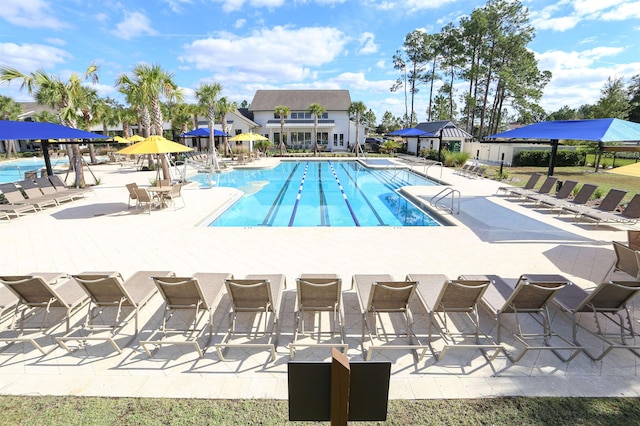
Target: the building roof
pixel 29 109
pixel 444 128
pixel 299 100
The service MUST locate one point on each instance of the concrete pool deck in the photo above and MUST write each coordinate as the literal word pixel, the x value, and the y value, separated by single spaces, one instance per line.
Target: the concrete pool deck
pixel 493 235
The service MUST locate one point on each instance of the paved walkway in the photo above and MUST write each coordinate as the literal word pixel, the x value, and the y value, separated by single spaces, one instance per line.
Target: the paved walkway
pixel 492 235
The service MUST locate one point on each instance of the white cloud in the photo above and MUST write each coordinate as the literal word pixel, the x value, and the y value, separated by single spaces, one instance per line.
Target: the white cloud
pixel 240 23
pixel 133 25
pixel 367 44
pixel 578 77
pixel 279 54
pixel 623 12
pixel 56 41
pixel 176 6
pixel 556 24
pixel 29 57
pixel 381 64
pixel 30 14
pixel 235 5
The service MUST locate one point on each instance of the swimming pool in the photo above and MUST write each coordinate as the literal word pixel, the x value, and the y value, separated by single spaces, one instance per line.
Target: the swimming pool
pixel 320 193
pixel 13 171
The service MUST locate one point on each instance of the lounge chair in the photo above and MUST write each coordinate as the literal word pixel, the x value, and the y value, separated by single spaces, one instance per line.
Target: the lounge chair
pixel 530 297
pixel 41 293
pixel 317 294
pixel 379 294
pixel 609 301
pixel 561 195
pixel 627 260
pixel 60 186
pixel 183 296
pixel 35 195
pixel 533 179
pixel 633 237
pixel 133 196
pixel 109 290
pixel 47 189
pixel 254 295
pixel 16 210
pixel 444 298
pixel 608 204
pixel 15 198
pixel 581 198
pixel 629 215
pixel 8 301
pixel 462 170
pixel 547 186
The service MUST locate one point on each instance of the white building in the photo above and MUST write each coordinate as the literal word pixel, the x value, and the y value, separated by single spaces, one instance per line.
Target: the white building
pixel 446 136
pixel 335 131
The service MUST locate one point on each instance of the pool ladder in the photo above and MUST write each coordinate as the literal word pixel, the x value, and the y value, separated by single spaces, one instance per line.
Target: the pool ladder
pixel 444 194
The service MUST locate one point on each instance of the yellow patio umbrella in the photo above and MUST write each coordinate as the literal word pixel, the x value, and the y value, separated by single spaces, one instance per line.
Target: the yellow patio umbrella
pixel 629 170
pixel 136 138
pixel 248 137
pixel 156 145
pixel 121 140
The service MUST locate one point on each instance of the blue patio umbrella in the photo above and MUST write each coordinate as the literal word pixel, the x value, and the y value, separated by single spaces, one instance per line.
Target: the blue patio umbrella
pixel 601 130
pixel 203 132
pixel 411 133
pixel 34 130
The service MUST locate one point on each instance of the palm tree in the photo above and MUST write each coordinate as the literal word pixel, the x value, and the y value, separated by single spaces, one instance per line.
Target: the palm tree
pixel 282 112
pixel 62 96
pixel 207 96
pixel 224 107
pixel 9 110
pixel 88 104
pixel 316 110
pixel 358 109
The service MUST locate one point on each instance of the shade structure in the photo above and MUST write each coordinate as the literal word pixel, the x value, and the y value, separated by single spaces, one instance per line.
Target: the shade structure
pixel 136 138
pixel 203 132
pixel 411 133
pixel 38 130
pixel 35 130
pixel 248 137
pixel 629 170
pixel 155 145
pixel 601 130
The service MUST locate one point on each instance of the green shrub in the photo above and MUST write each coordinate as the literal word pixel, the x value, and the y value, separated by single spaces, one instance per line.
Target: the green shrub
pixel 454 159
pixel 564 158
pixel 429 154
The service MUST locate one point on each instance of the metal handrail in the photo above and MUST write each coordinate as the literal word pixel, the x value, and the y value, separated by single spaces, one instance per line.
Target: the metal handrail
pixel 428 166
pixel 443 194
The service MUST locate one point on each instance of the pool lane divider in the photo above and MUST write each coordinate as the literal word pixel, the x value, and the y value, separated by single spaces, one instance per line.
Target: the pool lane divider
pixel 344 195
pixel 275 206
pixel 300 188
pixel 322 201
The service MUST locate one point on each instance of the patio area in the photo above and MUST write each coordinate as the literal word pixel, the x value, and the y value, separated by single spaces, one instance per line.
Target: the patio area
pixel 492 236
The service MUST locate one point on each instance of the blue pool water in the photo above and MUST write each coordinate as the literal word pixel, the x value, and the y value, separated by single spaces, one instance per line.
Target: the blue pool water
pixel 12 171
pixel 320 193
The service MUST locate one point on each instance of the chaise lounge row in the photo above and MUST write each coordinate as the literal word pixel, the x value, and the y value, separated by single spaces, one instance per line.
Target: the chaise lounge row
pixel 603 212
pixel 31 196
pixel 385 305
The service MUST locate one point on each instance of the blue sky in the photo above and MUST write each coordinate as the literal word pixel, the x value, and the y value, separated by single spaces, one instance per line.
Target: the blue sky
pixel 246 45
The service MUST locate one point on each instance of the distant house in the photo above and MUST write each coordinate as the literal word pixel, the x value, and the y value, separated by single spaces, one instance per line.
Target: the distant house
pixel 335 131
pixel 447 136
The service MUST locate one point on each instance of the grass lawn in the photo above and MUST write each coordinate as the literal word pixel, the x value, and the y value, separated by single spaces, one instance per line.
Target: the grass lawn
pixel 604 180
pixel 69 410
